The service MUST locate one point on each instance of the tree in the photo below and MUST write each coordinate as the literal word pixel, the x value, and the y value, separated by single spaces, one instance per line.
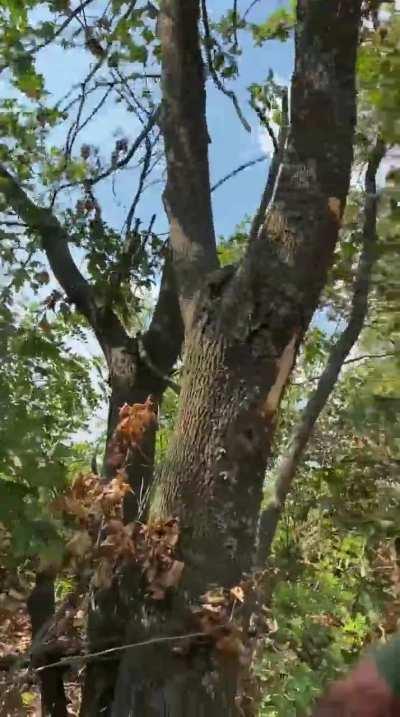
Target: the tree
pixel 242 325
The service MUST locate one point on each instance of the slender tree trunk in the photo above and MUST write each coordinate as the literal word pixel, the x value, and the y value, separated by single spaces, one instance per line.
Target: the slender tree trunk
pixel 41 607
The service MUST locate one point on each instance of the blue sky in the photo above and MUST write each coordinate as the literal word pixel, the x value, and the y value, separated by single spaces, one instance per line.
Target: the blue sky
pixel 231 145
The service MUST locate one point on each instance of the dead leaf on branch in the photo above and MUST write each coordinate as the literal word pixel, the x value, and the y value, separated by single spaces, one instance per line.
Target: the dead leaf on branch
pixel 134 422
pixel 80 544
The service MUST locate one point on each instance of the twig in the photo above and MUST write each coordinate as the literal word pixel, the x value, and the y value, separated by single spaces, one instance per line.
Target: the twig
pixel 238 169
pixel 249 9
pixel 214 74
pixel 234 23
pixel 121 648
pixel 289 463
pixel 58 32
pixel 122 162
pixel 11 223
pixel 75 127
pixel 142 178
pixel 363 357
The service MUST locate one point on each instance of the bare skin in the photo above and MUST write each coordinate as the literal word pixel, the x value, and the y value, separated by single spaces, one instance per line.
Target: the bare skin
pixel 363 693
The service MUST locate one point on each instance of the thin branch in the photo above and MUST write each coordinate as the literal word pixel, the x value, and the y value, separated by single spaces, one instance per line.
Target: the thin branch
pixel 274 171
pixel 249 9
pixel 289 463
pixel 73 659
pixel 234 23
pixel 122 162
pixel 75 127
pixel 371 357
pixel 142 178
pixel 363 357
pixel 10 223
pixel 265 123
pixel 58 32
pixel 238 169
pixel 91 115
pixel 212 71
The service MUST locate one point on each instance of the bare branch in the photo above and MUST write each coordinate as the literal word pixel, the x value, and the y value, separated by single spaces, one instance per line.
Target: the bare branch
pixel 122 162
pixel 55 243
pixel 142 179
pixel 11 223
pixel 372 357
pixel 238 169
pixel 249 9
pixel 289 463
pixel 212 71
pixel 74 659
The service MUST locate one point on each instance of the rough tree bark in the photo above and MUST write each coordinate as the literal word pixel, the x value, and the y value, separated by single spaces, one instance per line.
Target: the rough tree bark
pixel 243 330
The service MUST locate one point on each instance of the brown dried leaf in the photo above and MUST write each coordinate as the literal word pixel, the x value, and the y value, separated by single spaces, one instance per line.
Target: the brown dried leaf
pixel 171 577
pixel 80 544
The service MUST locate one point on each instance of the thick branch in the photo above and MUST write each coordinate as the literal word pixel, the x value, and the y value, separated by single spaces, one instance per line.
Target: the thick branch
pixel 301 224
pixel 164 338
pixel 187 194
pixel 54 241
pixel 289 463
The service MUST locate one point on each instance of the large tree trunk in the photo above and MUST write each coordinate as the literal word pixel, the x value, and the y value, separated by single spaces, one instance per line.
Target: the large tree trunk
pixel 243 330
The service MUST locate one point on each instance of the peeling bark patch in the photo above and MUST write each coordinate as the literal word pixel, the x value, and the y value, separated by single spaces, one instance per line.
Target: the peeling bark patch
pixel 335 208
pixel 284 364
